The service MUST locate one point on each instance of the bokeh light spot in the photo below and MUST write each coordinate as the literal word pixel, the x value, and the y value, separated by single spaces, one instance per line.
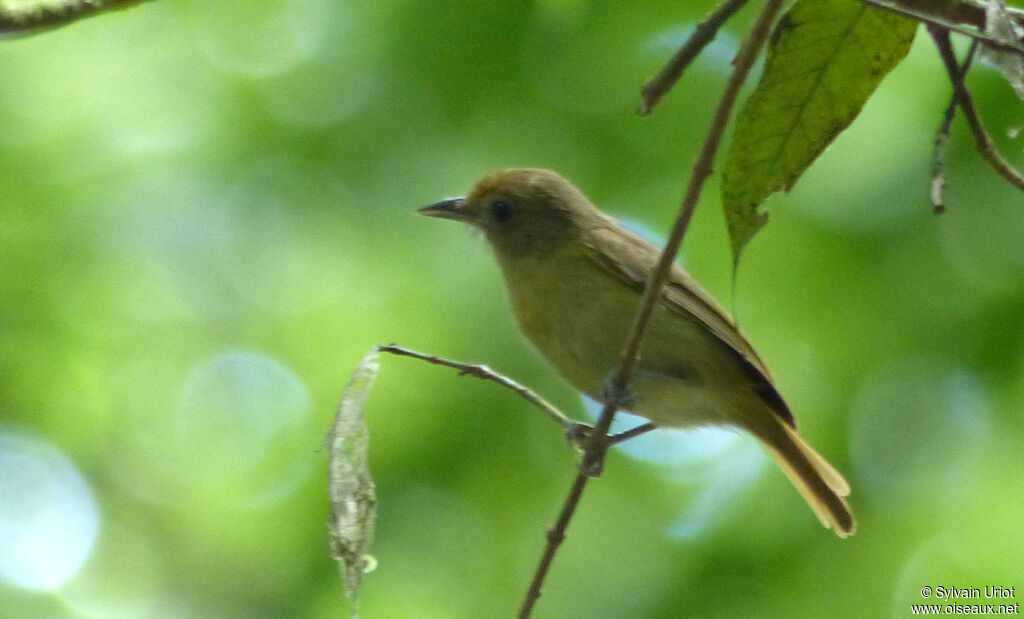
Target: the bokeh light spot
pixel 48 517
pixel 911 422
pixel 239 422
pixel 259 39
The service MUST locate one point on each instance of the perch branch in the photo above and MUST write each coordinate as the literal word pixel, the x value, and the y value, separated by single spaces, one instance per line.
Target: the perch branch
pixel 486 373
pixel 575 431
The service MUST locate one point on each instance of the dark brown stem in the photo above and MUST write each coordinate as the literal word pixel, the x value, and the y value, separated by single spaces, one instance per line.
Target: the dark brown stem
pixel 621 437
pixel 939 160
pixel 963 99
pixel 942 138
pixel 597 443
pixel 704 34
pixel 25 20
pixel 486 373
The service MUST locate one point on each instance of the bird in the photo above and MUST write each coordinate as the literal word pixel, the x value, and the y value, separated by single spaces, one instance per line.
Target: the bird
pixel 574 277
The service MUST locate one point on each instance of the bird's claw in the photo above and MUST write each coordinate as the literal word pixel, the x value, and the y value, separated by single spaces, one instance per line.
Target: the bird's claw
pixel 578 436
pixel 619 396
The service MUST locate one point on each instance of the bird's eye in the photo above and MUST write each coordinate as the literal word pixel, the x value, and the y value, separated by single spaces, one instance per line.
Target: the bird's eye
pixel 501 210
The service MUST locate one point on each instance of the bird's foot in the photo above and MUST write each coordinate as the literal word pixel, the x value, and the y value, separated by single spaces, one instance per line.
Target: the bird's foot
pixel 576 434
pixel 618 395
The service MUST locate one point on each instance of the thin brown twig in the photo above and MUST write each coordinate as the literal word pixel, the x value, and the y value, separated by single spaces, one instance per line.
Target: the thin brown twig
pixel 942 138
pixel 703 35
pixel 939 159
pixel 486 373
pixel 971 13
pixel 576 432
pixel 963 98
pixel 621 437
pixel 597 443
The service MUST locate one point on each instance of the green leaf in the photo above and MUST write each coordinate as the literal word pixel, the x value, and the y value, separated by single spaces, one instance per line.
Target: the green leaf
pixel 825 59
pixel 351 490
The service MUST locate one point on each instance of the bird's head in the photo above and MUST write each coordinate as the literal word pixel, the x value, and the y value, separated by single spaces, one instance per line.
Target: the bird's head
pixel 522 211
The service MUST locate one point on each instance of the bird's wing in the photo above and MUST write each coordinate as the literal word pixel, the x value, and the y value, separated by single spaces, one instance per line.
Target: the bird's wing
pixel 631 259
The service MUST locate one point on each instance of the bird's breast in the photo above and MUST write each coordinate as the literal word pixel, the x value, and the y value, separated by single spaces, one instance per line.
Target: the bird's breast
pixel 573 313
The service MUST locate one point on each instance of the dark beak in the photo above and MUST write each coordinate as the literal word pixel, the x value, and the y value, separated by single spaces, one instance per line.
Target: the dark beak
pixel 452 208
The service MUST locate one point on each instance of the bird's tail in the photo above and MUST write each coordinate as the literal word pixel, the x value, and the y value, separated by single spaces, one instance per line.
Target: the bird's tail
pixel 819 482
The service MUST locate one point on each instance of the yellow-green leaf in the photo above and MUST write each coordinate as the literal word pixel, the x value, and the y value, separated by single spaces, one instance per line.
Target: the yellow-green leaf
pixel 824 60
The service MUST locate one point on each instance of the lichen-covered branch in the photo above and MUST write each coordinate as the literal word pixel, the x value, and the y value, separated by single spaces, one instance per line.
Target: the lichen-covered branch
pixel 25 20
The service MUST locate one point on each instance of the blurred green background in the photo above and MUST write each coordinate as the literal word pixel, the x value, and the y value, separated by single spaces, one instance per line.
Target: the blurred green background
pixel 207 219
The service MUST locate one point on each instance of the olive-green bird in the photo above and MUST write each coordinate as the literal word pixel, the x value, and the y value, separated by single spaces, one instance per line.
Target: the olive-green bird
pixel 575 277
